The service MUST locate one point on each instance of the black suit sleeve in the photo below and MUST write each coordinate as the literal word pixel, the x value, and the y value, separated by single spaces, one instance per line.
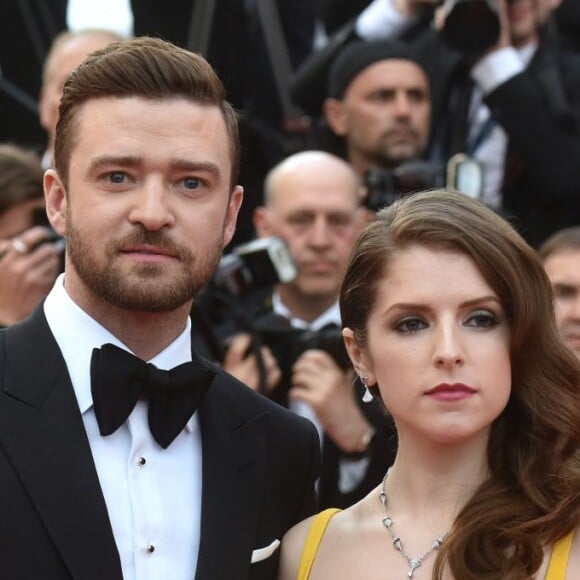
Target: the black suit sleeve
pixel 546 140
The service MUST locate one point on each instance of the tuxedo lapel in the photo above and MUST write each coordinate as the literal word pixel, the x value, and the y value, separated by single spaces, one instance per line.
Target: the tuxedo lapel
pixel 233 481
pixel 42 433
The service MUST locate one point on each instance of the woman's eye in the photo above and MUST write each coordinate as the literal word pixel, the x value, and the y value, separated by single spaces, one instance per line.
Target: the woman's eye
pixel 483 319
pixel 410 325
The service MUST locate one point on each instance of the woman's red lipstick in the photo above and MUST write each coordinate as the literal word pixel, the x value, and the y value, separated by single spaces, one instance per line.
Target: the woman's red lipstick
pixel 450 392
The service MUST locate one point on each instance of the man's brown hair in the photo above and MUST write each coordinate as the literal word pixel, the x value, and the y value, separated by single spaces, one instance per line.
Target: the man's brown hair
pixel 142 67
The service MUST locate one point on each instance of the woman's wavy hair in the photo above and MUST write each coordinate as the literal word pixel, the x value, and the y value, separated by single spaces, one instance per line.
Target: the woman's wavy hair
pixel 532 495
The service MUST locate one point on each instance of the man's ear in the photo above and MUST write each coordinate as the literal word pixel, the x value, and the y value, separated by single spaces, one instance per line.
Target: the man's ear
pixel 262 223
pixel 358 357
pixel 56 201
pixel 333 110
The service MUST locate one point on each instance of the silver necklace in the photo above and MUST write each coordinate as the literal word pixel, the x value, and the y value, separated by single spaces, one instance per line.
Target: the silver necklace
pixel 413 563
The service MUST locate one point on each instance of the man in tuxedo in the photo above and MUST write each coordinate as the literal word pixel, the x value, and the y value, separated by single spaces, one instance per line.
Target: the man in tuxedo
pixel 112 467
pixel 313 202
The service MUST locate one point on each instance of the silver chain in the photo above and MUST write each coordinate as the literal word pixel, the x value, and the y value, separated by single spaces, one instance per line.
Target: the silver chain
pixel 413 563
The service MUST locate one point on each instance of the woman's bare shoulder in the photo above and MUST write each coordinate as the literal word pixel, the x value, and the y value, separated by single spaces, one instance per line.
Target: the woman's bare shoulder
pixel 292 548
pixel 573 570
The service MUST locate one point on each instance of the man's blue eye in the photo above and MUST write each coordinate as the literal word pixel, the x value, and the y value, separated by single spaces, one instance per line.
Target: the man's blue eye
pixel 117 177
pixel 191 183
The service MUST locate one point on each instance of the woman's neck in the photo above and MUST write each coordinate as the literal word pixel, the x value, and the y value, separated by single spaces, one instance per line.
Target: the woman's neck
pixel 434 482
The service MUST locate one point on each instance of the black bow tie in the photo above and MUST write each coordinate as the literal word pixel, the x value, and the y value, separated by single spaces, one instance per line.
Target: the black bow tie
pixel 119 379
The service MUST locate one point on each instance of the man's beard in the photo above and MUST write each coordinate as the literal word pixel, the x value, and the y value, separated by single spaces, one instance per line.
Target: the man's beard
pixel 391 155
pixel 145 287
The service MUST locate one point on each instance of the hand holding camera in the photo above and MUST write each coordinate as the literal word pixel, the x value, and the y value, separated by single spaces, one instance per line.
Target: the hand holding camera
pixel 319 381
pixel 252 369
pixel 29 268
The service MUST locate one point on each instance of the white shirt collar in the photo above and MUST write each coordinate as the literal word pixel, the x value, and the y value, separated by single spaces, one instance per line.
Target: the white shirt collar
pixel 329 316
pixel 77 334
pixel 527 52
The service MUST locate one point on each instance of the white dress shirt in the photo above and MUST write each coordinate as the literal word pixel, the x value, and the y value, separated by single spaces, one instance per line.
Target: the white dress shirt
pixel 153 495
pixel 489 73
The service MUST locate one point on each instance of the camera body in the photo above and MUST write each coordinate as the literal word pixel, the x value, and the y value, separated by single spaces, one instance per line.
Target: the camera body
pixel 227 305
pixel 288 344
pixel 261 262
pixel 384 186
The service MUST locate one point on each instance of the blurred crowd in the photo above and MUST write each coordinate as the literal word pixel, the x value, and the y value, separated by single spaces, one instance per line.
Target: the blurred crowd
pixel 344 106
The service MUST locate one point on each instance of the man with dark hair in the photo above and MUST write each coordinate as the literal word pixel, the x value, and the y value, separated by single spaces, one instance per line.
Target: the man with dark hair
pixel 124 454
pixel 379 103
pixel 561 256
pixel 513 107
pixel 312 200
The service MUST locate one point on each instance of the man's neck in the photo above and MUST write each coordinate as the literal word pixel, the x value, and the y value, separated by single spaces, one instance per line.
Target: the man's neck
pixel 145 333
pixel 307 309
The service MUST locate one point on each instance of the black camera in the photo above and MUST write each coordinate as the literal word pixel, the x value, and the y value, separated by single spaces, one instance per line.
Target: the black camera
pixel 288 344
pixel 384 186
pixel 471 26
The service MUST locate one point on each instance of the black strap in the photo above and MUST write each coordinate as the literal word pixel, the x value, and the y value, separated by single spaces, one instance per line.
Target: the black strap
pixel 200 26
pixel 279 56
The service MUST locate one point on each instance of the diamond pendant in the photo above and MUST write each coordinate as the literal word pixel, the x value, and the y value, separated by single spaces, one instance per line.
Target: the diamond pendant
pixel 414 563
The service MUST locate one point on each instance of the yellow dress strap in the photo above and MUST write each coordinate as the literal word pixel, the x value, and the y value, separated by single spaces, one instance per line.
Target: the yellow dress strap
pixel 315 534
pixel 559 558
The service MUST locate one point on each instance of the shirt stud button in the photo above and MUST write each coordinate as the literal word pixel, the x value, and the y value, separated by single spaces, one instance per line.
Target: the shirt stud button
pixel 141 461
pixel 150 548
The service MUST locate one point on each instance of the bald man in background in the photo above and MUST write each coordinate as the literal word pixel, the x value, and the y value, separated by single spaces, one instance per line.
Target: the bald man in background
pixel 312 200
pixel 67 51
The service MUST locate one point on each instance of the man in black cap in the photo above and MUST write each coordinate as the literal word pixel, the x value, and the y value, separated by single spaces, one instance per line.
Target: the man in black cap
pixel 379 103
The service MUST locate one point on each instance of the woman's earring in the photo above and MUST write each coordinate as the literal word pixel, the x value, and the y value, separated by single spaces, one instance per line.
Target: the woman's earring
pixel 367 397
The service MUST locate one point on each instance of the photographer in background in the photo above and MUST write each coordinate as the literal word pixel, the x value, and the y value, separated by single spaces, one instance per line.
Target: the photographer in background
pixel 561 256
pixel 29 267
pixel 513 103
pixel 379 105
pixel 66 52
pixel 312 201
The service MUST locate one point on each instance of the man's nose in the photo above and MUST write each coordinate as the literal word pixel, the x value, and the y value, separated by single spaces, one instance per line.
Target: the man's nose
pixel 402 104
pixel 151 208
pixel 320 233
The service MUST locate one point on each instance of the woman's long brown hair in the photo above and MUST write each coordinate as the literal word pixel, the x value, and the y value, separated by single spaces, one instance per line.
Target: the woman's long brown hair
pixel 532 495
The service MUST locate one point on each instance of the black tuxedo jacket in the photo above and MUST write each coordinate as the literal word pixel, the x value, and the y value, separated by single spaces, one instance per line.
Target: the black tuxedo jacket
pixel 259 467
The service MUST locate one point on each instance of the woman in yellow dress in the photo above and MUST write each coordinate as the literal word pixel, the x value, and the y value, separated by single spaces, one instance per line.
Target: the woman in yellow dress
pixel 448 320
